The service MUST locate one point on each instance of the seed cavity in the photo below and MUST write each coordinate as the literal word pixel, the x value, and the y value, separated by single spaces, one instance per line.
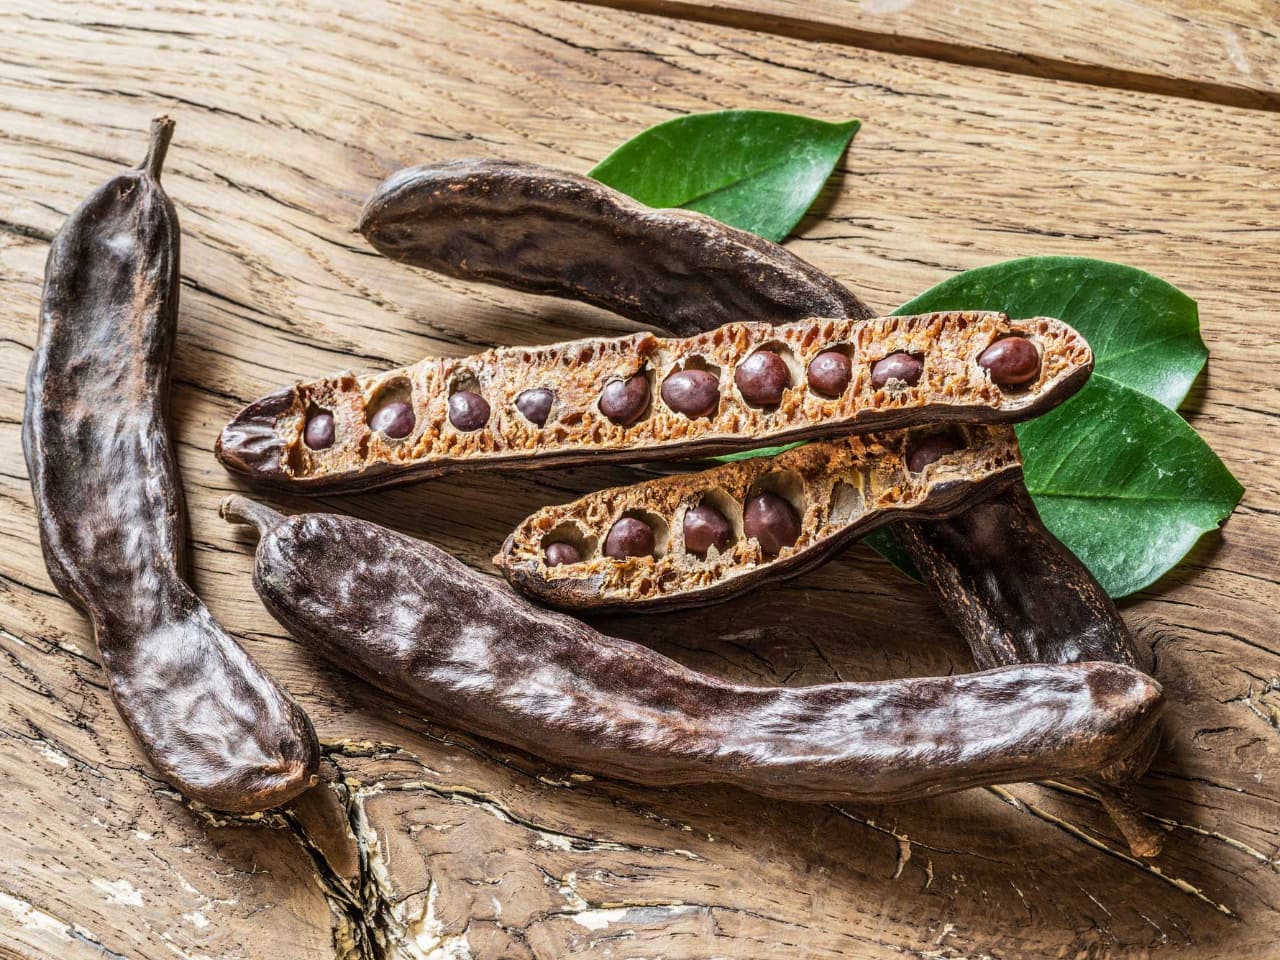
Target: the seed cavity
pixel 831 371
pixel 1011 361
pixel 319 432
pixel 626 401
pixel 905 367
pixel 765 375
pixel 535 405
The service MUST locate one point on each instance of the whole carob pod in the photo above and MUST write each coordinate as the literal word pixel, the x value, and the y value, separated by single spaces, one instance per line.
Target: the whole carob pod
pixel 461 648
pixel 642 397
pixel 213 723
pixel 696 538
pixel 549 231
pixel 447 217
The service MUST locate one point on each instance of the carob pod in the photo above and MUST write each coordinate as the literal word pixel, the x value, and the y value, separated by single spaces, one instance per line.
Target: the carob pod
pixel 413 621
pixel 102 469
pixel 544 230
pixel 1019 596
pixel 641 397
pixel 664 277
pixel 715 534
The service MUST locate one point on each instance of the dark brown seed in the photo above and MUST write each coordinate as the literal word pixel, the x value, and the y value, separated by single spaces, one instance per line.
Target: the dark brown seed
pixel 930 448
pixel 319 433
pixel 695 393
pixel 897 366
pixel 705 527
pixel 535 405
pixel 468 410
pixel 830 373
pixel 762 378
pixel 558 553
pixel 623 401
pixel 629 537
pixel 1011 361
pixel 771 520
pixel 395 419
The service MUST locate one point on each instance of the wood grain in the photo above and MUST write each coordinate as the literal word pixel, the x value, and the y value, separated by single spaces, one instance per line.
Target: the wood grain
pixel 426 842
pixel 1220 52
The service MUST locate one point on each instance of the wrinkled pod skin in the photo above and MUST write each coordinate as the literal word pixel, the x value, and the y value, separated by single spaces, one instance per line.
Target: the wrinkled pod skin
pixel 102 470
pixel 1018 595
pixel 396 221
pixel 413 621
pixel 548 231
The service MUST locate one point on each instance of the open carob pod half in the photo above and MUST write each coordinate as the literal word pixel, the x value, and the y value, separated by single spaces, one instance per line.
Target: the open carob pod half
pixel 642 397
pixel 697 538
pixel 464 650
pixel 487 220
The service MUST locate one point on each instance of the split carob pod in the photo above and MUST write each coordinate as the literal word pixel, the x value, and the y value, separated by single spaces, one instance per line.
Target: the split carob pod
pixel 549 231
pixel 102 469
pixel 463 649
pixel 698 538
pixel 458 218
pixel 642 398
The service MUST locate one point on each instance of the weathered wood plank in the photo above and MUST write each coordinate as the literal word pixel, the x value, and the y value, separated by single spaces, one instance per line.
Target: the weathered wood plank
pixel 435 841
pixel 1225 53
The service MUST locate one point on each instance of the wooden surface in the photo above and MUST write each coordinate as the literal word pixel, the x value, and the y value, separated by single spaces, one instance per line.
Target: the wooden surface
pixel 1220 51
pixel 425 842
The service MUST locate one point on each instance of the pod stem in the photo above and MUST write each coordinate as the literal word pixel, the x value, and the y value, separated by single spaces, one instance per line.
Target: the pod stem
pixel 242 510
pixel 161 134
pixel 1144 840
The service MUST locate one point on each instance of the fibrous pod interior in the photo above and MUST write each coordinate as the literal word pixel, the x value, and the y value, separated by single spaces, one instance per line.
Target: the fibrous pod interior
pixel 721 531
pixel 643 397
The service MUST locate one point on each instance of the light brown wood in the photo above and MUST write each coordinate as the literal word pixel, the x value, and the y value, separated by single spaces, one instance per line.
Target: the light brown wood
pixel 1221 52
pixel 428 843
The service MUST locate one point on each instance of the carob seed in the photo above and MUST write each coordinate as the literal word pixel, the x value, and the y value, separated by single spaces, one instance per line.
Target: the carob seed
pixel 897 366
pixel 706 527
pixel 395 419
pixel 624 401
pixel 929 449
pixel 1011 361
pixel 771 520
pixel 535 405
pixel 830 372
pixel 559 552
pixel 629 537
pixel 468 410
pixel 319 432
pixel 695 393
pixel 762 378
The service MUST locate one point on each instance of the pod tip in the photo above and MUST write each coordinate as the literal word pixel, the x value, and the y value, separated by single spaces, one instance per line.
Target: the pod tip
pixel 161 134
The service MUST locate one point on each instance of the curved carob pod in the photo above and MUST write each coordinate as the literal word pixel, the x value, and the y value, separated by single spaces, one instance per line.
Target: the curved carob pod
pixel 213 723
pixel 642 398
pixel 548 231
pixel 756 269
pixel 413 621
pixel 1019 596
pixel 699 538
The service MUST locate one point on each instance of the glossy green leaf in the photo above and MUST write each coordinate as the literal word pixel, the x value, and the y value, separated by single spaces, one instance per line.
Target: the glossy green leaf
pixel 753 169
pixel 759 452
pixel 1145 333
pixel 1124 482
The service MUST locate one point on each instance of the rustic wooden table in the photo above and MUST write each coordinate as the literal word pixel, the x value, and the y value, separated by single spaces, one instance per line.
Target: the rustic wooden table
pixel 1146 133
